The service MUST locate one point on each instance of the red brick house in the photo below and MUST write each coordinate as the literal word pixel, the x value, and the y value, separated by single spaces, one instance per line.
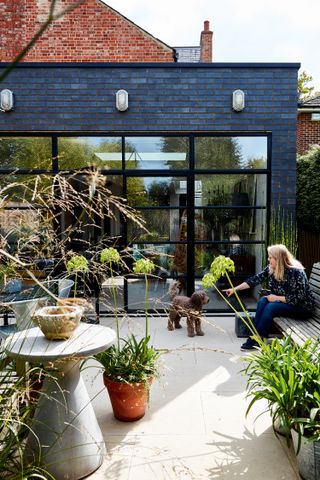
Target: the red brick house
pixel 92 32
pixel 308 124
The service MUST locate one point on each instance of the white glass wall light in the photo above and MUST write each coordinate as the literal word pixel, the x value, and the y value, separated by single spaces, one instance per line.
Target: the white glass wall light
pixel 6 100
pixel 238 100
pixel 122 100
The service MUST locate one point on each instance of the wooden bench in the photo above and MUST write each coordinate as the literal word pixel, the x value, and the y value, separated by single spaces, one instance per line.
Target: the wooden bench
pixel 301 330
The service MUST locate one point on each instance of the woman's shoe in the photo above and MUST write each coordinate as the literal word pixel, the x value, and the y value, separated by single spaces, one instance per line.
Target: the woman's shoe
pixel 249 345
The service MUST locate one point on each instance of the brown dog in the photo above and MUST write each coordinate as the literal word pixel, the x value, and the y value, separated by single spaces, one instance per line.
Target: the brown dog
pixel 190 307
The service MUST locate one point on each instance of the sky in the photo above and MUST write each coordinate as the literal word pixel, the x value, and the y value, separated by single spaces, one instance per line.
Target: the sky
pixel 244 30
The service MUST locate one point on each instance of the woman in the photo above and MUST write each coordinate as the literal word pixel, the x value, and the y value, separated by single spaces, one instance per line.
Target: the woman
pixel 290 294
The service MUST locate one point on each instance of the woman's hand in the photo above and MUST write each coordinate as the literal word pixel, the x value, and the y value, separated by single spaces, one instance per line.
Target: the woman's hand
pixel 229 292
pixel 275 298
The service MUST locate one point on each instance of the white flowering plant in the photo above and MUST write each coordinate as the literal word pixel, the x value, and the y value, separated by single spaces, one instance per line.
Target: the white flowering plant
pixel 131 360
pixel 222 266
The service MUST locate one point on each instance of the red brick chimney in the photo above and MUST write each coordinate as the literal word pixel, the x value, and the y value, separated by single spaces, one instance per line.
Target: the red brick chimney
pixel 206 43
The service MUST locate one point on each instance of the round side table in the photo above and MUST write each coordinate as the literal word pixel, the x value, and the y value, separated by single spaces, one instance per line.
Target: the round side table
pixel 65 434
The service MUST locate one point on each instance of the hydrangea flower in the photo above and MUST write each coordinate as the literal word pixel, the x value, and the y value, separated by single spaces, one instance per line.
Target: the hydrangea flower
pixel 221 265
pixel 144 265
pixel 109 255
pixel 208 280
pixel 78 263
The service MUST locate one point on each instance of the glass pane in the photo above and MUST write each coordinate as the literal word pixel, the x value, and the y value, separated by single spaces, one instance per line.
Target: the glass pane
pixel 157 191
pixel 106 296
pixel 247 258
pixel 165 153
pixel 158 298
pixel 24 189
pixel 164 225
pixel 28 153
pixel 231 152
pixel 80 152
pixel 239 190
pixel 25 219
pixel 230 224
pixel 170 260
pixel 248 298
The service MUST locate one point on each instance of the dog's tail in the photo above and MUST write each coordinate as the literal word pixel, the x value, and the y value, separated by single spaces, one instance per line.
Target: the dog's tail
pixel 175 289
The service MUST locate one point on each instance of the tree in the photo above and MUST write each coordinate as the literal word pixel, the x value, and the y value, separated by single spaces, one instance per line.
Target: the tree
pixel 308 204
pixel 304 91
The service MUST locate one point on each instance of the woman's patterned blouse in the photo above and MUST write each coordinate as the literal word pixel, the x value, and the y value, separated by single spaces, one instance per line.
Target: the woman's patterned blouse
pixel 294 287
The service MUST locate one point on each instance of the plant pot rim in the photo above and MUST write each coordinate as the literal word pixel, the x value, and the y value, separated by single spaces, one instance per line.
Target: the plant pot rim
pixel 58 311
pixel 112 380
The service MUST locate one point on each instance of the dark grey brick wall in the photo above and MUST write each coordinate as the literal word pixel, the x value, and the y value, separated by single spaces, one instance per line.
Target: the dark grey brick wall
pixel 162 98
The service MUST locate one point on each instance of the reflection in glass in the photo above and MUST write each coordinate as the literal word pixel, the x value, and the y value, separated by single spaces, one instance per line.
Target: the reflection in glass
pixel 23 223
pixel 157 191
pixel 106 296
pixel 164 225
pixel 170 259
pixel 247 258
pixel 230 224
pixel 25 153
pixel 156 153
pixel 239 190
pixel 231 152
pixel 158 294
pixel 79 152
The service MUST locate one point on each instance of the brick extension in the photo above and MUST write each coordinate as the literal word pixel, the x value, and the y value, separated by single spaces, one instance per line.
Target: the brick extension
pixel 93 32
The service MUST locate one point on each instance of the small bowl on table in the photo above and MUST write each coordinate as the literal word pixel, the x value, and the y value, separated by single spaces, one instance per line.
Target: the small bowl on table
pixel 58 322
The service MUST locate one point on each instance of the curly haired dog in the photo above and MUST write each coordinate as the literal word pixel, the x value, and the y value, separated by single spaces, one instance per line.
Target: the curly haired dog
pixel 190 307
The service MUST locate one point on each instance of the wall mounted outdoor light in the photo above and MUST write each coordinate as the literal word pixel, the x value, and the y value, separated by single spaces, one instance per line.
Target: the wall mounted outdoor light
pixel 238 100
pixel 122 100
pixel 6 100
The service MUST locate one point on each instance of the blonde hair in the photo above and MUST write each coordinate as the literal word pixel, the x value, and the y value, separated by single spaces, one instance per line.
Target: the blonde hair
pixel 284 259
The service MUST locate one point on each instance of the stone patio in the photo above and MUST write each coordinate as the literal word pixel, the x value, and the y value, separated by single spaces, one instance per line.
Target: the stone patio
pixel 195 427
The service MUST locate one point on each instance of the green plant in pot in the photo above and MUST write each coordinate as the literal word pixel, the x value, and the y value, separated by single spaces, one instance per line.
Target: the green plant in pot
pixel 287 376
pixel 131 364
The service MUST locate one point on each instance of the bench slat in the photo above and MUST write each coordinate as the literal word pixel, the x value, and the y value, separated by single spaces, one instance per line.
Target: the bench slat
pixel 301 330
pixel 305 326
pixel 296 334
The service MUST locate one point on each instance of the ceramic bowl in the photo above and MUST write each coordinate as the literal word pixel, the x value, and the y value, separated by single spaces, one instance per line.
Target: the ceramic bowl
pixel 58 322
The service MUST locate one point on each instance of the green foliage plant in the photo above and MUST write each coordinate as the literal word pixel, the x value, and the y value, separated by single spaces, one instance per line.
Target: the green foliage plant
pixel 130 360
pixel 16 413
pixel 111 256
pixel 222 266
pixel 283 229
pixel 308 190
pixel 287 376
pixel 77 264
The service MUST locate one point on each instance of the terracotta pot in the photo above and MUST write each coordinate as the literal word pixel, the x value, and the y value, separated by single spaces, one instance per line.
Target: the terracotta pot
pixel 129 400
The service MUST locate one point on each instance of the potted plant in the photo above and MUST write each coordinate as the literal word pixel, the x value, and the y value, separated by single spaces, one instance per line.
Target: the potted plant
pixel 287 376
pixel 131 364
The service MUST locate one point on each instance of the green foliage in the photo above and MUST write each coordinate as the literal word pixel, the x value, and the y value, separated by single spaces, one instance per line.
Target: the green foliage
pixel 135 362
pixel 283 230
pixel 16 412
pixel 287 376
pixel 308 190
pixel 131 360
pixel 304 90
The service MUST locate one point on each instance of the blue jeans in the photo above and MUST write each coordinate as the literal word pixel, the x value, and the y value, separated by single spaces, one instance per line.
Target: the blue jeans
pixel 267 311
